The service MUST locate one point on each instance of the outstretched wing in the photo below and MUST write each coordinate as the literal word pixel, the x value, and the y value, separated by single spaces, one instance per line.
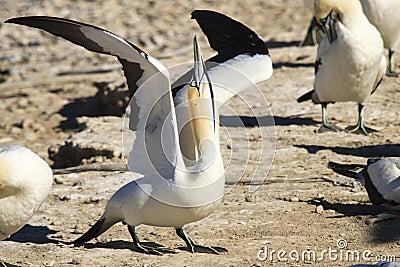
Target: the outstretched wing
pixel 242 60
pixel 227 36
pixel 151 112
pixel 137 65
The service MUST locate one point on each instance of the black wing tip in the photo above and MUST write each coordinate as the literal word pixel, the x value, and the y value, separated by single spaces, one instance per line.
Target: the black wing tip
pixel 227 36
pixel 197 12
pixel 13 20
pixel 18 20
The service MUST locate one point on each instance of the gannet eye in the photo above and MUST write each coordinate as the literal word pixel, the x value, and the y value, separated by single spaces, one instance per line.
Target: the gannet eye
pixel 194 84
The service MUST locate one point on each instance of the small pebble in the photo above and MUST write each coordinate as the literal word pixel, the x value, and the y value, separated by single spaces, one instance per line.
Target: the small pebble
pixel 76 260
pixel 319 209
pixel 294 199
pixel 250 198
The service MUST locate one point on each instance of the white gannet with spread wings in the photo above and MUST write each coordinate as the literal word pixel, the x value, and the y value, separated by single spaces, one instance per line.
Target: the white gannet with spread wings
pixel 171 193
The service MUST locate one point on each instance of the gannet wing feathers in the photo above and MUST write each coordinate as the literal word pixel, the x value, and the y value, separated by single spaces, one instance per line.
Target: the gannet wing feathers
pixel 137 65
pixel 242 60
pixel 383 177
pixel 227 36
pixel 156 150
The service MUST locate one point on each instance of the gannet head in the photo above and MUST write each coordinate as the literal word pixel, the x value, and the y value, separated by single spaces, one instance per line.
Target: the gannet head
pixel 323 8
pixel 201 102
pixel 328 12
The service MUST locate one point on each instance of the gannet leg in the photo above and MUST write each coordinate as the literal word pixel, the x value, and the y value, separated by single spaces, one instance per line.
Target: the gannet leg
pixel 360 128
pixel 193 247
pixel 146 249
pixel 325 126
pixel 390 68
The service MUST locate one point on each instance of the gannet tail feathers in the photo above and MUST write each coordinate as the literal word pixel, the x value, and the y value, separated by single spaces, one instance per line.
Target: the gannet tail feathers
pixel 97 229
pixel 348 170
pixel 307 96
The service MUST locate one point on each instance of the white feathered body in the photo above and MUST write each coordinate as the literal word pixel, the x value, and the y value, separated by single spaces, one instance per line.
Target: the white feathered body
pixel 385 16
pixel 353 64
pixel 385 175
pixel 25 181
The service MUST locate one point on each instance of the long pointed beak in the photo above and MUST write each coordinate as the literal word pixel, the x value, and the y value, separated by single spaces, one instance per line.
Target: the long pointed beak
pixel 329 26
pixel 200 73
pixel 199 69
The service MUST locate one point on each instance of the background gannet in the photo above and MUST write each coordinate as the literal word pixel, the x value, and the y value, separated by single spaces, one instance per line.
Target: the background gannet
pixel 385 16
pixel 350 60
pixel 381 178
pixel 25 182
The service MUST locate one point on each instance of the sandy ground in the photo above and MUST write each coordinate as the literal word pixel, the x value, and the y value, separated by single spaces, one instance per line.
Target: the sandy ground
pixel 301 205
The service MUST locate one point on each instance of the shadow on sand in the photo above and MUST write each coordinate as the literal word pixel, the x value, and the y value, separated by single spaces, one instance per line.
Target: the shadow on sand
pixel 33 234
pixel 386 150
pixel 384 231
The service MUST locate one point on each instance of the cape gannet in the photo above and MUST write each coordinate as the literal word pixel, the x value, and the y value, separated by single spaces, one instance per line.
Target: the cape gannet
pixel 381 178
pixel 350 60
pixel 169 194
pixel 385 16
pixel 25 182
pixel 242 60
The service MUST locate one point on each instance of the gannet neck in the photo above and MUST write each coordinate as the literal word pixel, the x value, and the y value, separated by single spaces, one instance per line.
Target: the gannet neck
pixel 202 109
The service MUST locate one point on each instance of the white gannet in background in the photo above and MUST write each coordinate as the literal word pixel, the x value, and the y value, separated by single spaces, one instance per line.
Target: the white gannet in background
pixel 385 16
pixel 242 60
pixel 381 178
pixel 350 60
pixel 314 33
pixel 25 182
pixel 186 192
